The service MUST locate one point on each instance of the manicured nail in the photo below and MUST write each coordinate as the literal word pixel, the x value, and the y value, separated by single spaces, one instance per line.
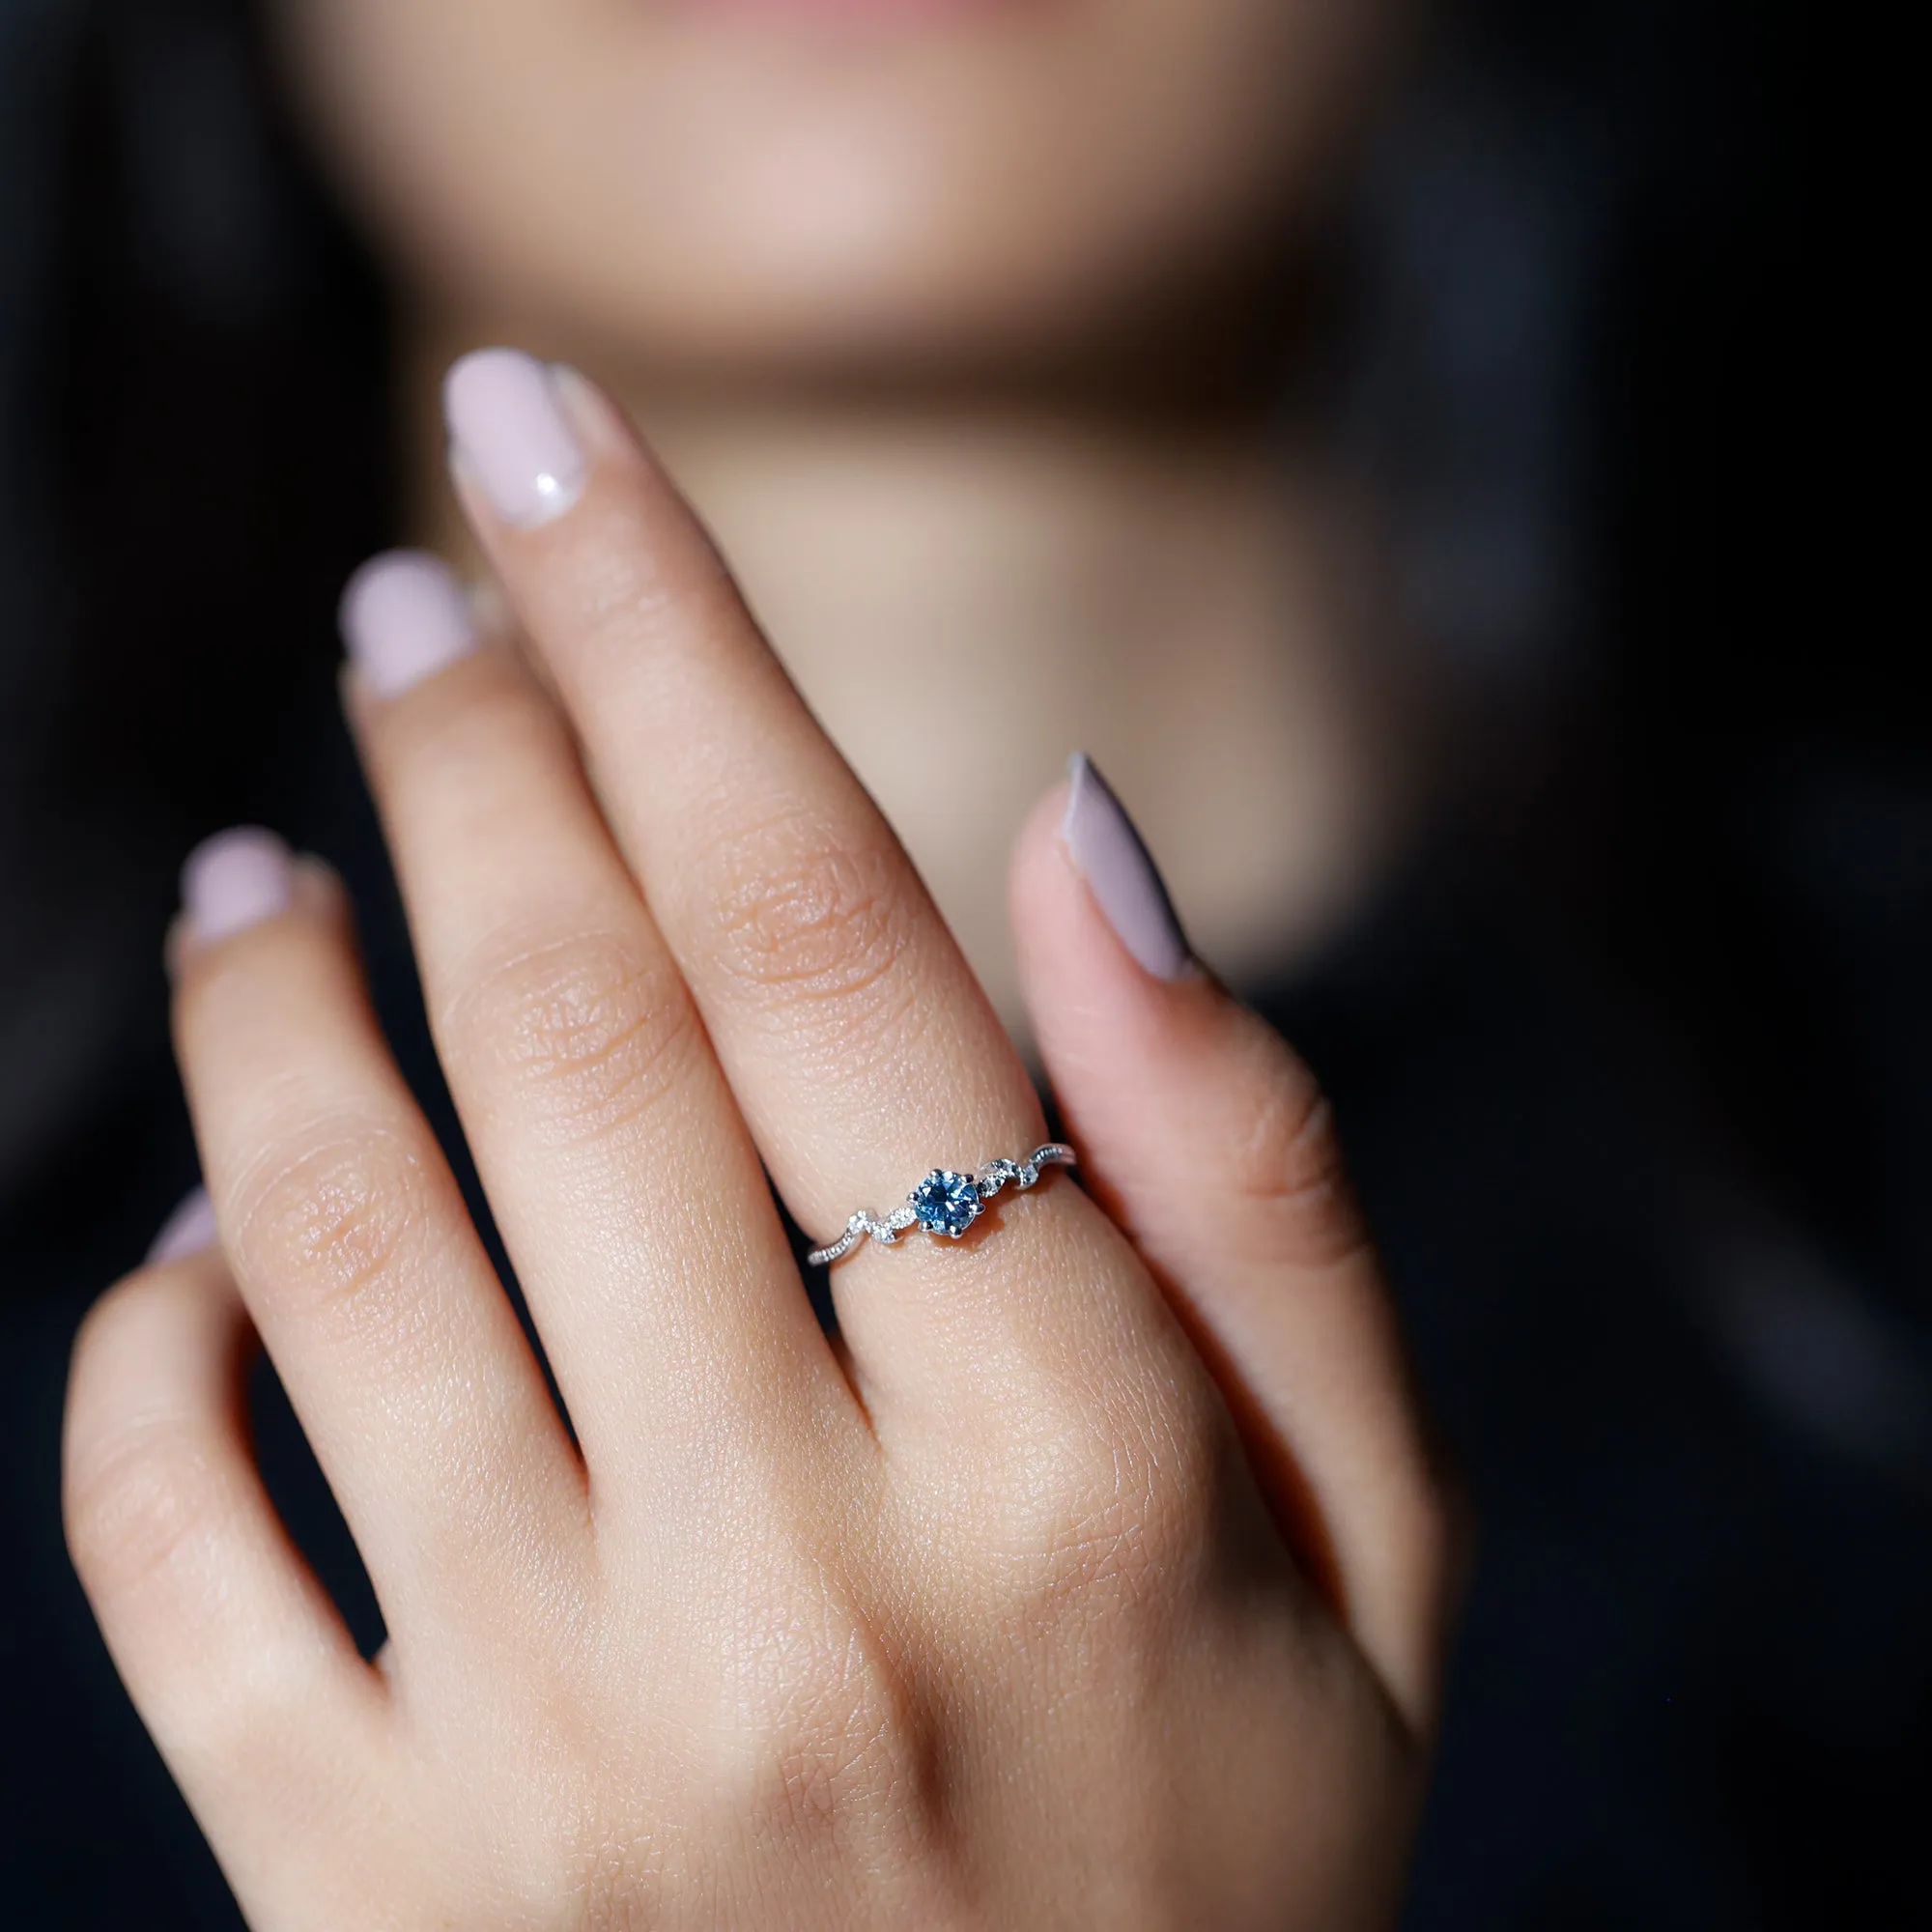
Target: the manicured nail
pixel 404 615
pixel 188 1230
pixel 510 434
pixel 236 880
pixel 1116 865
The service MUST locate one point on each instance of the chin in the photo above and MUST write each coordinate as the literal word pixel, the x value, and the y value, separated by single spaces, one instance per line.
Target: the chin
pixel 827 260
pixel 755 198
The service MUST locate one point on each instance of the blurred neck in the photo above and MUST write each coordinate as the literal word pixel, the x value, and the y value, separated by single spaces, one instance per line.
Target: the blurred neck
pixel 1167 594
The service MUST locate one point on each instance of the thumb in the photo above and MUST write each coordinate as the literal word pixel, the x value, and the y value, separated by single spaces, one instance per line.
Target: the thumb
pixel 1210 1142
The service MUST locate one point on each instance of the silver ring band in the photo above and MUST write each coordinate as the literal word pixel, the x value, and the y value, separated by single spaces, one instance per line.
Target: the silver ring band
pixel 945 1203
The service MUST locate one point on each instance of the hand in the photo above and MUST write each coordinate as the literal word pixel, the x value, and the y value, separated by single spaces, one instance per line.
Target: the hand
pixel 1092 1576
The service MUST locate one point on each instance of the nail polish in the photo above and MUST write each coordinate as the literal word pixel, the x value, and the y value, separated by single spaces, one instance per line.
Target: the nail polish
pixel 404 617
pixel 1113 860
pixel 188 1230
pixel 508 430
pixel 236 880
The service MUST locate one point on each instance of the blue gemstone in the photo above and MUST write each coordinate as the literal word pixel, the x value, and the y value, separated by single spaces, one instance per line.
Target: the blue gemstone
pixel 947 1202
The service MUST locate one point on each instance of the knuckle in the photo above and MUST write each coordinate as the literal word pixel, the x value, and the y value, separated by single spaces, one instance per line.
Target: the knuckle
pixel 594 1033
pixel 1285 1167
pixel 159 1513
pixel 145 1510
pixel 1121 1509
pixel 844 1740
pixel 328 1223
pixel 803 912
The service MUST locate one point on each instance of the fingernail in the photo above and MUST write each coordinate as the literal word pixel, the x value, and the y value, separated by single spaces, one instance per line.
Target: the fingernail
pixel 1115 863
pixel 510 432
pixel 188 1230
pixel 404 615
pixel 236 880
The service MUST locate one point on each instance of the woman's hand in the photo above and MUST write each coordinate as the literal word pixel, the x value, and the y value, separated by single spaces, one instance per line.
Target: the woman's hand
pixel 1094 1575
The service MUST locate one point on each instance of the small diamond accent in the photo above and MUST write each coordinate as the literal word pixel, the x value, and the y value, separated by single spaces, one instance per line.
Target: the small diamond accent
pixel 947 1202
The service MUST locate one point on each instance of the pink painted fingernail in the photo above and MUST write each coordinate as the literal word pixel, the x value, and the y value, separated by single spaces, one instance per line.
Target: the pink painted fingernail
pixel 404 617
pixel 508 431
pixel 1121 876
pixel 188 1230
pixel 236 880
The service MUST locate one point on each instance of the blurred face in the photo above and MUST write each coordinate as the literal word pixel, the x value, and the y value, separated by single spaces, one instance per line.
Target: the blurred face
pixel 766 182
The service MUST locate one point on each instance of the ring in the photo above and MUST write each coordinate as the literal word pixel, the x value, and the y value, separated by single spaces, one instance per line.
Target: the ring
pixel 944 1203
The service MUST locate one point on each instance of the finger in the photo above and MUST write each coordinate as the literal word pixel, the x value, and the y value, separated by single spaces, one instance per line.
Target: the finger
pixel 350 1244
pixel 860 1047
pixel 1212 1145
pixel 236 1660
pixel 617 1163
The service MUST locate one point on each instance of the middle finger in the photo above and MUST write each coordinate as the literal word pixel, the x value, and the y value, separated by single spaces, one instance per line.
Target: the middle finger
pixel 856 1039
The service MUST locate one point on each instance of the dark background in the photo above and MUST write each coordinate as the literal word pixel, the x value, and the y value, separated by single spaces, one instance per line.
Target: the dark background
pixel 1633 1061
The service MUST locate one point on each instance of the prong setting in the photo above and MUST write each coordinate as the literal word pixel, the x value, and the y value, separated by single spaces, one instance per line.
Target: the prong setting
pixel 945 1203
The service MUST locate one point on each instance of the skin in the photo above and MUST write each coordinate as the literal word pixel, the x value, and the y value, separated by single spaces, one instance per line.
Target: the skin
pixel 1022 410
pixel 1096 1574
pixel 994 1615
pixel 732 195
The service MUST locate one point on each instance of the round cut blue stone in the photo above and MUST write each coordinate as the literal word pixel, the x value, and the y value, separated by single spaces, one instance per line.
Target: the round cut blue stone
pixel 947 1202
